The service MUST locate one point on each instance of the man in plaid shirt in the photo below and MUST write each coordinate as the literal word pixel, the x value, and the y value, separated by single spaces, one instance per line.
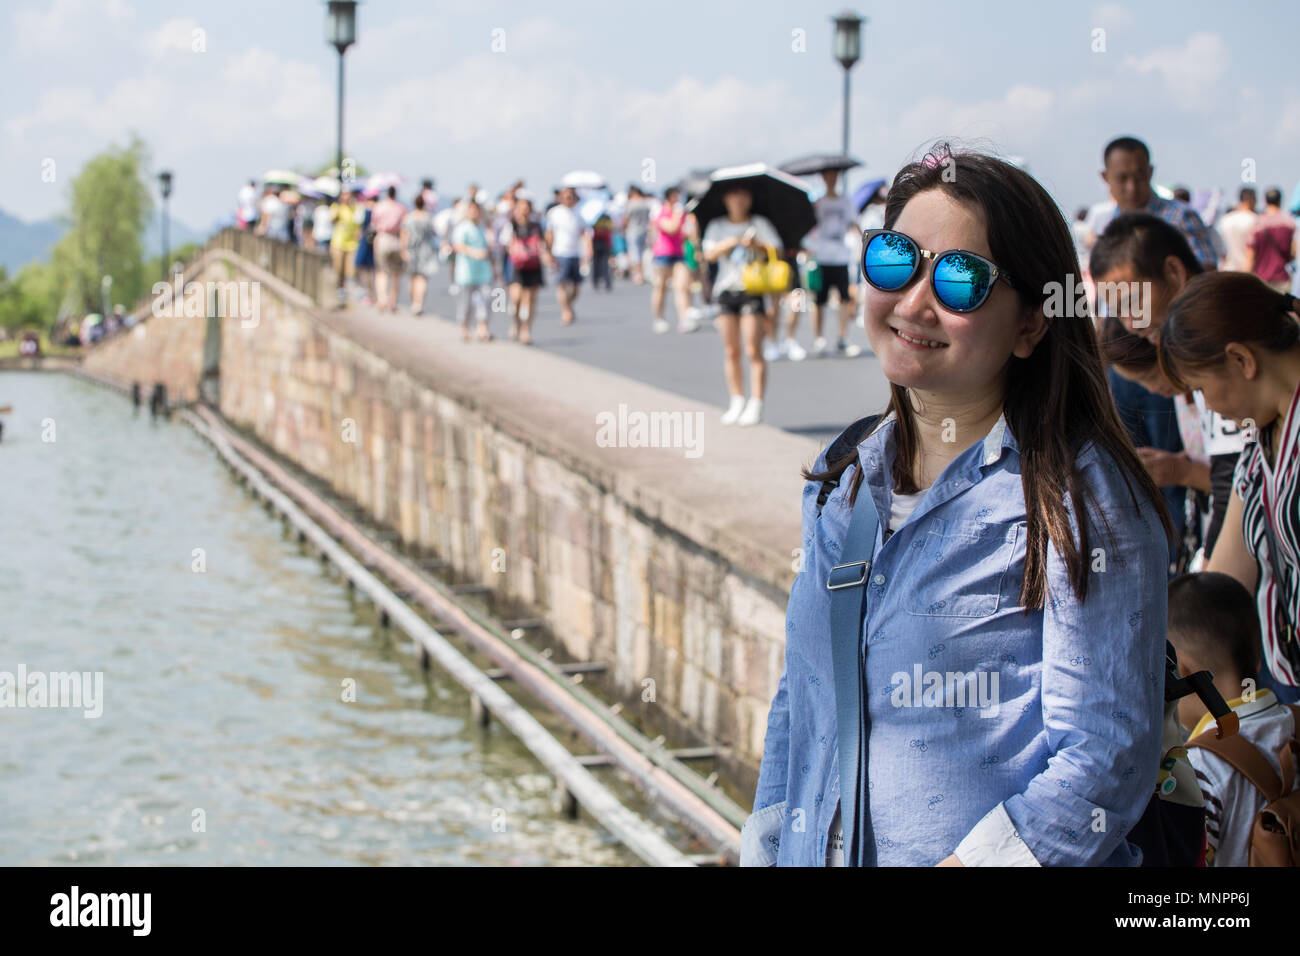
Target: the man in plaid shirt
pixel 1127 174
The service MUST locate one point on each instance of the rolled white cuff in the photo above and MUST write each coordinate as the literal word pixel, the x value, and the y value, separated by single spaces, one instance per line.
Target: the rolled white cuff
pixel 994 842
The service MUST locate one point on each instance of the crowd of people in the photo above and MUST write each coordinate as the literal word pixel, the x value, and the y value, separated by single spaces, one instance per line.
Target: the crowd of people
pixel 376 242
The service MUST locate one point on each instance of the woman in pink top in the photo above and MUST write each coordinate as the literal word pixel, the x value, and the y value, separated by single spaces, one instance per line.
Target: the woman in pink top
pixel 386 221
pixel 670 261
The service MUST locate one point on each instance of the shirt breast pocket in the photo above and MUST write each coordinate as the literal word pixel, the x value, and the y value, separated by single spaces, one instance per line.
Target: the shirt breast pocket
pixel 960 568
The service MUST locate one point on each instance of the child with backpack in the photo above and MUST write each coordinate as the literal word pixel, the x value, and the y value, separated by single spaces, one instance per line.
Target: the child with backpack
pixel 1248 780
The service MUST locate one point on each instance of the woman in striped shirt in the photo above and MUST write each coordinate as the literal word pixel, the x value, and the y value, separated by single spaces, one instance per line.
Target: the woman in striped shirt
pixel 1237 341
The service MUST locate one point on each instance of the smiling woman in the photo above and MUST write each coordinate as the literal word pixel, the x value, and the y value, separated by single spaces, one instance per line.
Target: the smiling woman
pixel 1007 538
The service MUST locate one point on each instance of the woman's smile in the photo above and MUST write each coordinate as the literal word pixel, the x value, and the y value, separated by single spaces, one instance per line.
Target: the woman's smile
pixel 916 341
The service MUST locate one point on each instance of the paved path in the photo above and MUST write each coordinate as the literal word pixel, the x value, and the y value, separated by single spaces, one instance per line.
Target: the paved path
pixel 814 398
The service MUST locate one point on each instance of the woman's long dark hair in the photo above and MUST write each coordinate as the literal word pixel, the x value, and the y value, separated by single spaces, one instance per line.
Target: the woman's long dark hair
pixel 1057 399
pixel 1217 308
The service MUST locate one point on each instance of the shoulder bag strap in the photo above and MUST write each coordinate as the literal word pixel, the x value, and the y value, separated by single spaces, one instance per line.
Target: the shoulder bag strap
pixel 847 583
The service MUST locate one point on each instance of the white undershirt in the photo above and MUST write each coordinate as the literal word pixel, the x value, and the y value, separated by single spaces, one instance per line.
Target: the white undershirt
pixel 902 507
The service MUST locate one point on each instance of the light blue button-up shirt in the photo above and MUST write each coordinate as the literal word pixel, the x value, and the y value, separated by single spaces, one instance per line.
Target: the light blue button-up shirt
pixel 979 713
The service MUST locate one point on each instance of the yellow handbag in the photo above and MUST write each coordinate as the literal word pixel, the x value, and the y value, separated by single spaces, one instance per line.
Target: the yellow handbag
pixel 767 277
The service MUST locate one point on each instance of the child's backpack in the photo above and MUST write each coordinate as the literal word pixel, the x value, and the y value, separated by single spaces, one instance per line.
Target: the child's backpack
pixel 1275 837
pixel 526 250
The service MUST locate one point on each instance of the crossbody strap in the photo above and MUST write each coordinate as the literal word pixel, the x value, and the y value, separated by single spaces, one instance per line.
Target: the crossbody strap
pixel 847 583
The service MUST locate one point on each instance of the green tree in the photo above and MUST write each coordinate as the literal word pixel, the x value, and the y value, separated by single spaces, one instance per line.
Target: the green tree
pixel 109 205
pixel 30 298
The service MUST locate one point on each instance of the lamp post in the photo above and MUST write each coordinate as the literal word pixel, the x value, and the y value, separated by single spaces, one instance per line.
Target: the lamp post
pixel 165 182
pixel 848 48
pixel 341 32
pixel 105 289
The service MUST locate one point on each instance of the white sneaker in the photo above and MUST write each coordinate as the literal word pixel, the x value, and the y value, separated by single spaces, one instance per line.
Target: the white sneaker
pixel 819 347
pixel 688 324
pixel 851 351
pixel 795 351
pixel 771 352
pixel 753 413
pixel 733 410
pixel 661 326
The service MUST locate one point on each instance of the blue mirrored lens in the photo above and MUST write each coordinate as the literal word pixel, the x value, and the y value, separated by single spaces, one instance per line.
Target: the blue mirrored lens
pixel 961 281
pixel 888 261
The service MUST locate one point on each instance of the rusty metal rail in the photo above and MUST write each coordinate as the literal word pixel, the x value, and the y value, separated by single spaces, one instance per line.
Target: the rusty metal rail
pixel 635 833
pixel 715 829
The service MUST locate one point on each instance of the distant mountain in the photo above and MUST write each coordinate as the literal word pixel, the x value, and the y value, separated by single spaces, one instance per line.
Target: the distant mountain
pixel 23 242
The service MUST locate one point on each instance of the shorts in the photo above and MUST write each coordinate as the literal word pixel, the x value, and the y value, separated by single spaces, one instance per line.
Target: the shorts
pixel 668 260
pixel 528 278
pixel 636 246
pixel 570 269
pixel 833 277
pixel 388 252
pixel 741 303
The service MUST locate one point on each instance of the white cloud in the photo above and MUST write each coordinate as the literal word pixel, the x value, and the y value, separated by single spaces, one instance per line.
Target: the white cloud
pixel 1112 16
pixel 1189 71
pixel 174 36
pixel 1022 115
pixel 64 24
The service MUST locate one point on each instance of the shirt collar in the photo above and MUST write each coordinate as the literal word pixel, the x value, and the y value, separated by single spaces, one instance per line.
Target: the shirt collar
pixel 1157 203
pixel 1264 699
pixel 998 438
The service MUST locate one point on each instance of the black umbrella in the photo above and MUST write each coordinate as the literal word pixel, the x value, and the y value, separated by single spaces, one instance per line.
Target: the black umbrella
pixel 819 163
pixel 780 198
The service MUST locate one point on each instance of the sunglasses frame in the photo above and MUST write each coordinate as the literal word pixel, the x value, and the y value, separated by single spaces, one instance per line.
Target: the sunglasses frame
pixel 996 272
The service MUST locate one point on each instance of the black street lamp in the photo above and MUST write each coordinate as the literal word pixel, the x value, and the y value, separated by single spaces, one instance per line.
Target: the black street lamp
pixel 165 182
pixel 341 32
pixel 848 49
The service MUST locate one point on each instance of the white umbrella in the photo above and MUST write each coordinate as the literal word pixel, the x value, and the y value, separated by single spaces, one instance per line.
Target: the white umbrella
pixel 379 182
pixel 593 209
pixel 327 186
pixel 583 179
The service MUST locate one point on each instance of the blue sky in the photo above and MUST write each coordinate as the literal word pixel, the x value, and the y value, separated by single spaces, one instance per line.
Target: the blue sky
pixel 611 86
